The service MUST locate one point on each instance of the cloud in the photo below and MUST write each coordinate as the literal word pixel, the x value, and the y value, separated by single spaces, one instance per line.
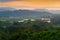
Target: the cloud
pixel 5 0
pixel 9 0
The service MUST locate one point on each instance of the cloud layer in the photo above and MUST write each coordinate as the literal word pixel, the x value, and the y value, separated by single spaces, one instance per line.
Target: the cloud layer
pixel 31 0
pixel 31 3
pixel 9 0
pixel 5 0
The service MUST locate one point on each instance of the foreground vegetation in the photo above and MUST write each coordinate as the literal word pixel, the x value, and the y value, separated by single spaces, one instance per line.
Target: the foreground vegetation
pixel 28 31
pixel 29 35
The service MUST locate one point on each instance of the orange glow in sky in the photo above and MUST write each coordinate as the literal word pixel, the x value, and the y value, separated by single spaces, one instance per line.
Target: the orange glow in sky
pixel 49 4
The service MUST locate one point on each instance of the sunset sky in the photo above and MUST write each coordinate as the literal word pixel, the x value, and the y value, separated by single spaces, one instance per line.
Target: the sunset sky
pixel 30 4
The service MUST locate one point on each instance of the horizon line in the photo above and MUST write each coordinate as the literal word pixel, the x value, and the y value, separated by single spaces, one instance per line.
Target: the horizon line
pixel 32 8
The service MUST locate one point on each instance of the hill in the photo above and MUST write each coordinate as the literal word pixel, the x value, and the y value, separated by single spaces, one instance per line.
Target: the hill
pixel 24 14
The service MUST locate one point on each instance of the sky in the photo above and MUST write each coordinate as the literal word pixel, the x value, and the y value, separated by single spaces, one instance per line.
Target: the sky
pixel 30 4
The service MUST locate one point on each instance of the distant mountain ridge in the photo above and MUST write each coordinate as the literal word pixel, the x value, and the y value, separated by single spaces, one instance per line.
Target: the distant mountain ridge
pixel 6 9
pixel 37 9
pixel 24 14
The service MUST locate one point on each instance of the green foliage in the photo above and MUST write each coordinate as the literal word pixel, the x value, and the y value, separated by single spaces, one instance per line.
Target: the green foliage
pixel 29 35
pixel 28 31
